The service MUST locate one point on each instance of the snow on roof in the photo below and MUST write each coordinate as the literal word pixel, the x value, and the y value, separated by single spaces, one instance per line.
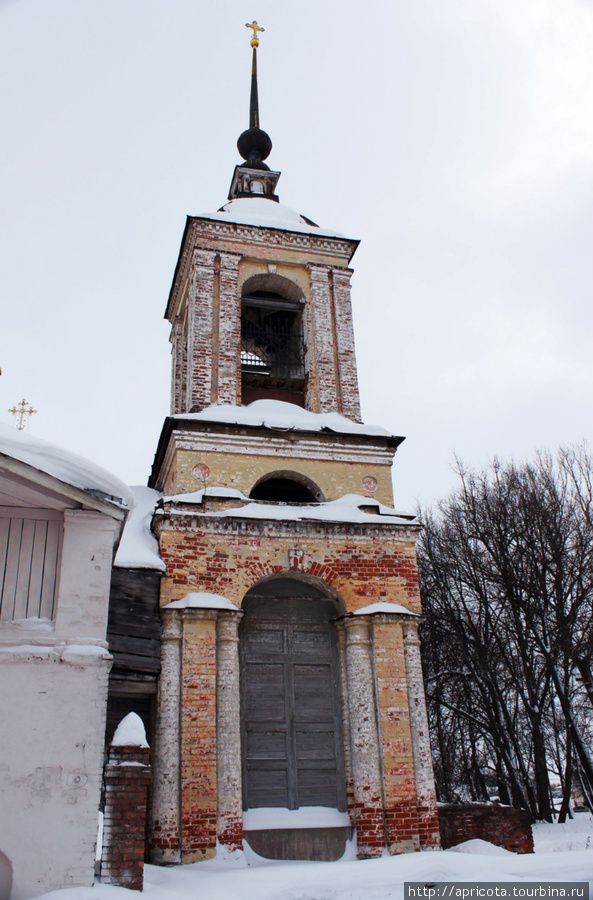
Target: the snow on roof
pixel 201 600
pixel 138 548
pixel 268 214
pixel 223 493
pixel 348 508
pixel 383 607
pixel 130 732
pixel 64 465
pixel 282 416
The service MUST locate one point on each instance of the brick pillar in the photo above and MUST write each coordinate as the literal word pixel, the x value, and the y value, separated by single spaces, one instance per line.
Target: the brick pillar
pixel 178 367
pixel 344 334
pixel 323 389
pixel 228 731
pixel 228 332
pixel 165 832
pixel 127 779
pixel 198 735
pixel 199 340
pixel 401 821
pixel 428 820
pixel 364 739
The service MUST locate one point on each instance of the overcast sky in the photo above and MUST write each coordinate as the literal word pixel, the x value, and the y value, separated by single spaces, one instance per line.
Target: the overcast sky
pixel 453 137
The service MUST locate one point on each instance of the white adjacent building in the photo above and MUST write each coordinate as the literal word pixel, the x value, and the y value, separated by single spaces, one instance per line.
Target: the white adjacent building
pixel 60 520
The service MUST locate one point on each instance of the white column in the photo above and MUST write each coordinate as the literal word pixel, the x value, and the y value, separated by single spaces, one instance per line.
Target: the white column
pixel 364 738
pixel 421 751
pixel 228 731
pixel 166 787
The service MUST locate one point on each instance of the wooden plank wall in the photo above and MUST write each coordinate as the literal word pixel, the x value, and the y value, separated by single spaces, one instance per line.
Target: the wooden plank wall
pixel 30 543
pixel 133 635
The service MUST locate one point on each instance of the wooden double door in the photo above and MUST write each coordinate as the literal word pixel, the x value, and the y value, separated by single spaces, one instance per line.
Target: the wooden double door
pixel 291 713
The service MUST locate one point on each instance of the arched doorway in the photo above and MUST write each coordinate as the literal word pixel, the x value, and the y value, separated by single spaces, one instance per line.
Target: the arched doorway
pixel 292 744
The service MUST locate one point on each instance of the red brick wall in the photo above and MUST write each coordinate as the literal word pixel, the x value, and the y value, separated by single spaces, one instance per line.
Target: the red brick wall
pixel 363 564
pixel 127 779
pixel 505 826
pixel 198 736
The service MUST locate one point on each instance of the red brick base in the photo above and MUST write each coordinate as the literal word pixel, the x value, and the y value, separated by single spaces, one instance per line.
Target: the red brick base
pixel 370 830
pixel 505 826
pixel 127 779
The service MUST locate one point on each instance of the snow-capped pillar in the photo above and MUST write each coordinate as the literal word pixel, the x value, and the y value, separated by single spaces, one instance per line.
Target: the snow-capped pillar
pixel 226 387
pixel 228 731
pixel 126 779
pixel 166 785
pixel 344 335
pixel 428 822
pixel 200 331
pixel 323 388
pixel 364 739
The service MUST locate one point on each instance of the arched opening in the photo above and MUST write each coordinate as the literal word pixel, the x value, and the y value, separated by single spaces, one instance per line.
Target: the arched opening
pixel 286 487
pixel 272 345
pixel 292 743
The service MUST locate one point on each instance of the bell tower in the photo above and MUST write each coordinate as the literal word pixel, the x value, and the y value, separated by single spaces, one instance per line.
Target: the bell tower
pixel 260 302
pixel 291 688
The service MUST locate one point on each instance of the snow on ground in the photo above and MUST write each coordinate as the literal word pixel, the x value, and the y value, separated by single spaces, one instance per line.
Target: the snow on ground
pixel 247 877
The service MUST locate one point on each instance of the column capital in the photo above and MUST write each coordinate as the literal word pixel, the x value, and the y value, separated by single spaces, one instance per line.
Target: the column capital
pixel 357 629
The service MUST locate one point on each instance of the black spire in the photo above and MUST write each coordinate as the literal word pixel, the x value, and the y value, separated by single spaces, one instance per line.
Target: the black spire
pixel 253 177
pixel 254 145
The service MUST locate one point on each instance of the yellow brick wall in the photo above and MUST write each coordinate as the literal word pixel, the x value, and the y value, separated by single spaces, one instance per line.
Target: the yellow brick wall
pixel 242 472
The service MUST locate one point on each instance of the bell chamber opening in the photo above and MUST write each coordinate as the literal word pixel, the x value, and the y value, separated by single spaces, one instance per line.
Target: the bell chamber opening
pixel 272 348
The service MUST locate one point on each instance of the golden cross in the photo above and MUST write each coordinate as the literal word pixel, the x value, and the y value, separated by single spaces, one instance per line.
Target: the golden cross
pixel 256 28
pixel 22 412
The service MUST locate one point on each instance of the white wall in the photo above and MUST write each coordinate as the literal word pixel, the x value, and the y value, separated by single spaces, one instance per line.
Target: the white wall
pixel 53 696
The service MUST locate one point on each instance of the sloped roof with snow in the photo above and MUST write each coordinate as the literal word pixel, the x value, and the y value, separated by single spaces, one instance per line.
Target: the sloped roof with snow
pixel 282 416
pixel 266 213
pixel 67 467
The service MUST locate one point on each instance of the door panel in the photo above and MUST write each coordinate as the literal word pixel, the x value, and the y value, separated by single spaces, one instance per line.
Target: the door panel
pixel 291 714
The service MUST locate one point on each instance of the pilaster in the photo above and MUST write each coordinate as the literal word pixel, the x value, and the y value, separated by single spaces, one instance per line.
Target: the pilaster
pixel 227 332
pixel 228 731
pixel 345 350
pixel 428 822
pixel 198 735
pixel 364 739
pixel 323 388
pixel 166 782
pixel 200 328
pixel 401 820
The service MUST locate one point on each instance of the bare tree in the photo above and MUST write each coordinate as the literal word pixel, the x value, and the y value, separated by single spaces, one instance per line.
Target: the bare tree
pixel 506 568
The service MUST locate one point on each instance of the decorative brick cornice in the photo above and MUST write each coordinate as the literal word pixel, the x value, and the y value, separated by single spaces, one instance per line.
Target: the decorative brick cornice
pixel 180 520
pixel 198 230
